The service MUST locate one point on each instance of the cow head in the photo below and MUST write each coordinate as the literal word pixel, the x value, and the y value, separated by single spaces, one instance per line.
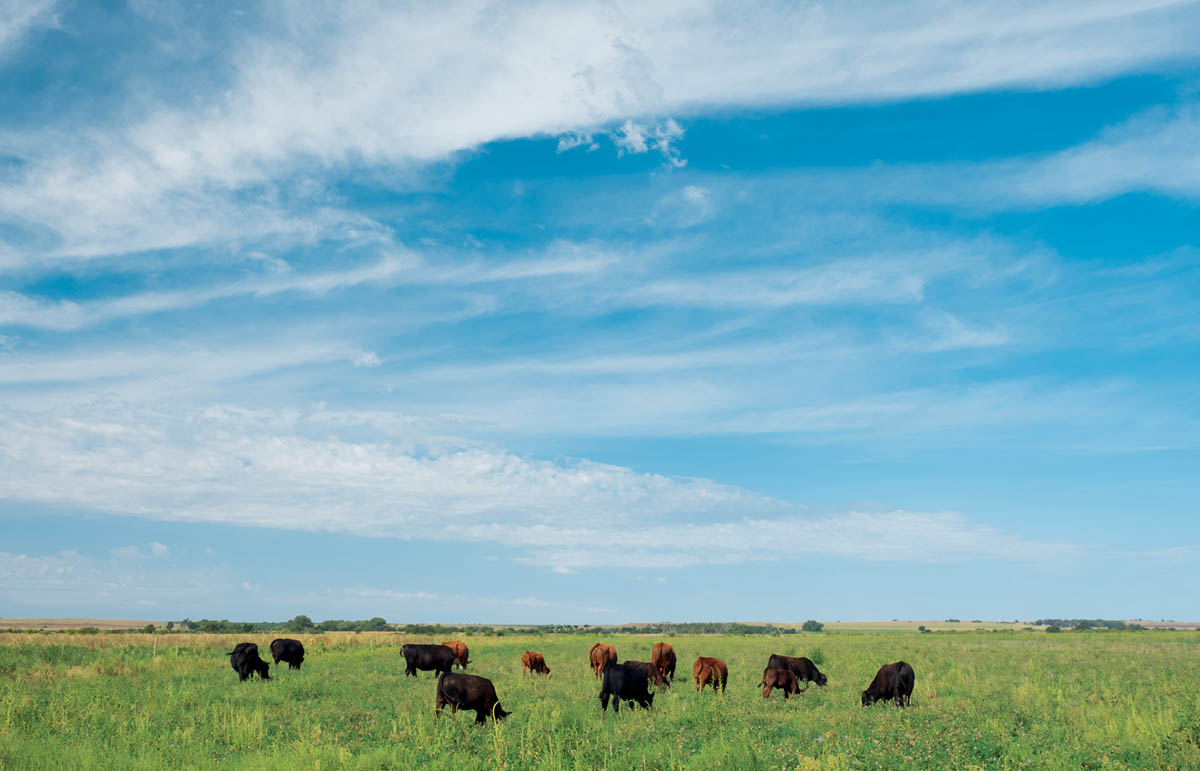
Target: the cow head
pixel 498 712
pixel 867 699
pixel 821 679
pixel 263 667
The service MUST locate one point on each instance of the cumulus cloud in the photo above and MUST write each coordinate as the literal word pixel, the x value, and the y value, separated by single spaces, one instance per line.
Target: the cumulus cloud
pixel 158 549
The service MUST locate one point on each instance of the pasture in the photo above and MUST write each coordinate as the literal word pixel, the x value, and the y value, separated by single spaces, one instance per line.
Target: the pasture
pixel 982 700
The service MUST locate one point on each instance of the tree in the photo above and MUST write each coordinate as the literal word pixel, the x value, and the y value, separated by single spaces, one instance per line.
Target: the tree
pixel 148 629
pixel 300 623
pixel 812 626
pixel 170 625
pixel 1054 629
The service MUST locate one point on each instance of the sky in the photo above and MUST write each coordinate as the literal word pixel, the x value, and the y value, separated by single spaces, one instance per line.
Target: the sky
pixel 602 312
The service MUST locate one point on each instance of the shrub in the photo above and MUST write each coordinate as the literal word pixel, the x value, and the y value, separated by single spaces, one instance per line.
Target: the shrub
pixel 812 626
pixel 1053 629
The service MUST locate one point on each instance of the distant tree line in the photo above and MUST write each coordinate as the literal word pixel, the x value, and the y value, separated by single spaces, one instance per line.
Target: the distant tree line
pixel 304 624
pixel 1086 623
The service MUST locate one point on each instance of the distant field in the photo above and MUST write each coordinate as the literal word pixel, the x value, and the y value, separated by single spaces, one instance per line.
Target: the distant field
pixel 74 623
pixel 987 700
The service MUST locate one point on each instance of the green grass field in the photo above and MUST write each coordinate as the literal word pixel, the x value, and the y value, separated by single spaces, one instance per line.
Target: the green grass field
pixel 982 700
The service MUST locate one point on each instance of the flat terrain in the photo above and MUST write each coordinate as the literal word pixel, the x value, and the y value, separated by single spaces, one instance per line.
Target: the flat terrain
pixel 75 623
pixel 982 700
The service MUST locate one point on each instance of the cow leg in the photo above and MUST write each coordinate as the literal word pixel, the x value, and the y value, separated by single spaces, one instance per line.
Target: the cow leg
pixel 785 694
pixel 438 705
pixel 480 718
pixel 766 692
pixel 604 702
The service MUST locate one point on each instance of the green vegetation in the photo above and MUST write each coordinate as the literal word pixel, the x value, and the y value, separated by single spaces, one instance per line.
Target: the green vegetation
pixel 982 700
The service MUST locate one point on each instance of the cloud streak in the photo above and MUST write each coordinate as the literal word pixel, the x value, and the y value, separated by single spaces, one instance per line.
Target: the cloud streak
pixel 210 468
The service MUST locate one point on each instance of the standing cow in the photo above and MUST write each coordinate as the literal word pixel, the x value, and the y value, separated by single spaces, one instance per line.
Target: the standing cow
pixel 291 651
pixel 662 655
pixel 533 663
pixel 625 683
pixel 892 681
pixel 245 661
pixel 710 671
pixel 803 667
pixel 601 657
pixel 468 692
pixel 460 652
pixel 439 658
pixel 783 679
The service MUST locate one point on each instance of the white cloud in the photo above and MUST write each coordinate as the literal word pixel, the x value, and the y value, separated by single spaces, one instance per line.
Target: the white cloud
pixel 19 16
pixel 214 467
pixel 125 552
pixel 158 549
pixel 367 359
pixel 331 86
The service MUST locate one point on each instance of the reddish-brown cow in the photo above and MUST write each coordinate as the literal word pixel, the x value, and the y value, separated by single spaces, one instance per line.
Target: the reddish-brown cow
pixel 710 671
pixel 783 679
pixel 662 655
pixel 601 657
pixel 533 663
pixel 460 652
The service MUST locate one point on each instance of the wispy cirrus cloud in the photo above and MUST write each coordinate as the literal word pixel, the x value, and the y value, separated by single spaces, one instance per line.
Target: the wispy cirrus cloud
pixel 210 468
pixel 330 89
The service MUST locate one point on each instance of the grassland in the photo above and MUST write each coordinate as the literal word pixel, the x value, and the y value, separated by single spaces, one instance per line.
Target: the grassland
pixel 982 700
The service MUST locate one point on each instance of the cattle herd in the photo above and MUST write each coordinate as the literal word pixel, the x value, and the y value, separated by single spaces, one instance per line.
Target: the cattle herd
pixel 629 682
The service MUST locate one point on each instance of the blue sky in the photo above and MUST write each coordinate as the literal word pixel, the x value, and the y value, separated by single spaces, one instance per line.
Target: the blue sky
pixel 492 312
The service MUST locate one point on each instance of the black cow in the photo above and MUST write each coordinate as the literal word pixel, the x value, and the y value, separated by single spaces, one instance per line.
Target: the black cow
pixel 468 692
pixel 892 681
pixel 625 683
pixel 291 651
pixel 652 673
pixel 245 661
pixel 802 666
pixel 439 658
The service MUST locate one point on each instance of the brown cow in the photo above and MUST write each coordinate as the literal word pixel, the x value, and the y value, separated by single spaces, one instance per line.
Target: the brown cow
pixel 709 671
pixel 534 663
pixel 601 657
pixel 652 673
pixel 662 655
pixel 783 679
pixel 460 652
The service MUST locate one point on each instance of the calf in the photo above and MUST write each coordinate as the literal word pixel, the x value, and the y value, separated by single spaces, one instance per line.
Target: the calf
pixel 439 658
pixel 460 652
pixel 468 692
pixel 624 683
pixel 533 663
pixel 601 656
pixel 652 673
pixel 803 667
pixel 708 671
pixel 892 681
pixel 291 651
pixel 783 679
pixel 662 655
pixel 245 661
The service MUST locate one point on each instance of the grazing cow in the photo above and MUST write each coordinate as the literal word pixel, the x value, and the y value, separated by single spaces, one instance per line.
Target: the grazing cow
pixel 439 658
pixel 460 652
pixel 534 663
pixel 245 661
pixel 709 671
pixel 892 681
pixel 662 655
pixel 291 651
pixel 468 692
pixel 601 657
pixel 625 683
pixel 783 679
pixel 652 673
pixel 802 666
